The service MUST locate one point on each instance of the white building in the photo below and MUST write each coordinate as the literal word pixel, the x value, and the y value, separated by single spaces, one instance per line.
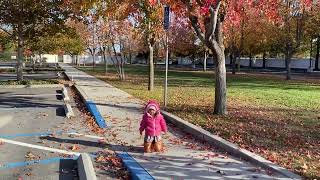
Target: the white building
pixel 86 59
pixel 48 58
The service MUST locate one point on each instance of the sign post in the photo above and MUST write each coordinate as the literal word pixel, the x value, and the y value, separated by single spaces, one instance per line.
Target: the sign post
pixel 166 26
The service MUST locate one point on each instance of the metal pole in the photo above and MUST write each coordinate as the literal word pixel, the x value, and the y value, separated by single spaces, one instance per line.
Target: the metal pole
pixel 311 53
pixel 166 76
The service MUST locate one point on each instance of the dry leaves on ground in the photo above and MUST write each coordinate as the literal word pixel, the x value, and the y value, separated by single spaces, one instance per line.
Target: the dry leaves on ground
pixel 109 162
pixel 74 147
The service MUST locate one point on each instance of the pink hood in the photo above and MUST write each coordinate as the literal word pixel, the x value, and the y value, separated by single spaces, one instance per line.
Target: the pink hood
pixel 153 125
pixel 152 103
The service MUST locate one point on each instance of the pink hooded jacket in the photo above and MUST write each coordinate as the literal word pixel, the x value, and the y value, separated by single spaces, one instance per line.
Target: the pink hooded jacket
pixel 153 125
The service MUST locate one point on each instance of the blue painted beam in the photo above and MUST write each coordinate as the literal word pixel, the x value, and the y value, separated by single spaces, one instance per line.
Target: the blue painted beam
pixel 96 114
pixel 137 172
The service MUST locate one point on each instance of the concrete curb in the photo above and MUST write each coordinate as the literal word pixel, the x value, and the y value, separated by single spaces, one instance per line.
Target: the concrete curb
pixel 31 86
pixel 68 110
pixel 91 106
pixel 85 168
pixel 137 172
pixel 96 114
pixel 231 148
pixel 65 94
pixel 83 95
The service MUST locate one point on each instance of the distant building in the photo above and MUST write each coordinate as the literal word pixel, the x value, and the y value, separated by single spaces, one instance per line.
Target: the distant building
pixel 48 58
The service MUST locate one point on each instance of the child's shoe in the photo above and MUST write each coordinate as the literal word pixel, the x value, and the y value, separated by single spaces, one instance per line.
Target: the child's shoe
pixel 147 147
pixel 158 146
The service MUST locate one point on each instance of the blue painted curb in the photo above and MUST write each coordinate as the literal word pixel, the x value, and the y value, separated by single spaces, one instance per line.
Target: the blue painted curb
pixel 96 114
pixel 137 172
pixel 28 163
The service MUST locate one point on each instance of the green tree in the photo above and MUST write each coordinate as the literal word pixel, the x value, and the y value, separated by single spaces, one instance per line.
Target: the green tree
pixel 26 19
pixel 313 32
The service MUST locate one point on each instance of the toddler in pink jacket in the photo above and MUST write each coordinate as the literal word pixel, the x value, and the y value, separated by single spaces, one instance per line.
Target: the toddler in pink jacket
pixel 153 124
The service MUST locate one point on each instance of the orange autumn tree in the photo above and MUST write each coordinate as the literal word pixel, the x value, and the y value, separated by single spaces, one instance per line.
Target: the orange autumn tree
pixel 208 18
pixel 145 15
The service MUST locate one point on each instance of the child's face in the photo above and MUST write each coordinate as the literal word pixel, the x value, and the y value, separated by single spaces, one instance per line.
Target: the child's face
pixel 152 112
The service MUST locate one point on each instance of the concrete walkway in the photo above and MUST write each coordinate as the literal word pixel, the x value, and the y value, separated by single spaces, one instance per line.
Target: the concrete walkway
pixel 185 158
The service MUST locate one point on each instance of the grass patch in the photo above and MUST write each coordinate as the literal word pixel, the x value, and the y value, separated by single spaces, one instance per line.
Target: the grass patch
pixel 268 115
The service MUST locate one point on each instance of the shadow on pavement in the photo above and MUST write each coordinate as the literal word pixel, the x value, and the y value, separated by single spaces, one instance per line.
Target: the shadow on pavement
pixel 9 101
pixel 74 141
pixel 67 169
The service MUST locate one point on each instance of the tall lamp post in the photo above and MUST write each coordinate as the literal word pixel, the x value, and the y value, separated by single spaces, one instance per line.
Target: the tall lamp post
pixel 166 26
pixel 317 54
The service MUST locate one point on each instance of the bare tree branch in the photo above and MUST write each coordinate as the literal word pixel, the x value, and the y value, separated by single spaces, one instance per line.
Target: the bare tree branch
pixel 6 31
pixel 212 25
pixel 200 3
pixel 196 26
pixel 194 21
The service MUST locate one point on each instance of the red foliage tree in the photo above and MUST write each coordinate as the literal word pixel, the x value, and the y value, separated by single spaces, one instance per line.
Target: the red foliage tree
pixel 208 18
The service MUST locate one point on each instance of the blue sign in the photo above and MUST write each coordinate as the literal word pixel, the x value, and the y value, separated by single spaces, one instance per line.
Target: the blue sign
pixel 166 22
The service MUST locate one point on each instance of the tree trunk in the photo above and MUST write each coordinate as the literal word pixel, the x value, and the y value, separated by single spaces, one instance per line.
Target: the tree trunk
pixel 205 61
pixel 123 74
pixel 73 60
pixel 232 63
pixel 34 63
pixel 151 69
pixel 40 59
pixel 317 55
pixel 130 56
pixel 105 63
pixel 105 60
pixel 93 60
pixel 220 86
pixel 264 61
pixel 193 62
pixel 288 64
pixel 151 43
pixel 238 63
pixel 122 62
pixel 213 39
pixel 77 60
pixel 117 64
pixel 157 57
pixel 20 54
pixel 250 61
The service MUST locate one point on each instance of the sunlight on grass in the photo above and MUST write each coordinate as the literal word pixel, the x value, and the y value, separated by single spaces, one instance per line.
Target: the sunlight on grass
pixel 267 115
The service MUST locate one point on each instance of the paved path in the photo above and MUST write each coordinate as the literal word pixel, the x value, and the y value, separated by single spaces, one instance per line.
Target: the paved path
pixel 185 158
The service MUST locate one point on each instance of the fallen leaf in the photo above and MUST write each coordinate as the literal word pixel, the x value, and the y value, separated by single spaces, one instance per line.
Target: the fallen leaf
pixel 305 167
pixel 74 147
pixel 100 159
pixel 30 156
